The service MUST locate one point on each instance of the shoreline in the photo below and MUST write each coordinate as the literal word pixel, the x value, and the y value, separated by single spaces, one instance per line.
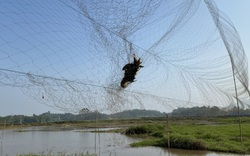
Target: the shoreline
pixel 212 134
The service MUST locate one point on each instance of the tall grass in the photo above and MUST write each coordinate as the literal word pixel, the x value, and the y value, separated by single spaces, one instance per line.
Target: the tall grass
pixel 223 138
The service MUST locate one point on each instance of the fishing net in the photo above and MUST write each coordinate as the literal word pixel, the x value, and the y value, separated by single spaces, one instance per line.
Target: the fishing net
pixel 69 54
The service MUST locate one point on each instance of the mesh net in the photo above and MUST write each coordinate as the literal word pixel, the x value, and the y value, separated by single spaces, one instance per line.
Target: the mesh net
pixel 69 54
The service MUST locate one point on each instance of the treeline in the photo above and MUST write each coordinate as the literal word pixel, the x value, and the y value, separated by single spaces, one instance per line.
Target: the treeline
pixel 54 117
pixel 208 111
pixel 136 113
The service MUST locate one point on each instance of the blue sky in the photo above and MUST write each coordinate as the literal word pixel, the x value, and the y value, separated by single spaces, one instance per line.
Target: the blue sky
pixel 13 101
pixel 237 11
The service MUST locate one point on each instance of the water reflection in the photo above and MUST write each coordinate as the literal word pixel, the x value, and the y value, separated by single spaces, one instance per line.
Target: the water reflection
pixel 40 139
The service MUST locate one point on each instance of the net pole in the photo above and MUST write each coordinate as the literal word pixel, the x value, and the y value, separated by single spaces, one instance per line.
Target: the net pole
pixel 237 102
pixel 215 15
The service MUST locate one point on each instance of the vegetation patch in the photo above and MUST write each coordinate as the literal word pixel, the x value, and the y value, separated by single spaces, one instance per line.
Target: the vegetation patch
pixel 155 130
pixel 150 142
pixel 223 137
pixel 187 142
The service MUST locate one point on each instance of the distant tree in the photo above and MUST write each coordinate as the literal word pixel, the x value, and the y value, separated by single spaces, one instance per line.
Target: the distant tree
pixel 84 111
pixel 199 111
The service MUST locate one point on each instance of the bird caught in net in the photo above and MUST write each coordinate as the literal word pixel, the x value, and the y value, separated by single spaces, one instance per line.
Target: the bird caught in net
pixel 131 69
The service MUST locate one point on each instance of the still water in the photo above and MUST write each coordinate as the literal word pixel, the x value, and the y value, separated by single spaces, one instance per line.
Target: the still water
pixel 42 140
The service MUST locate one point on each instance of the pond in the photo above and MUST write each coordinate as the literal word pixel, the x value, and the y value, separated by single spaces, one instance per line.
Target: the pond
pixel 46 140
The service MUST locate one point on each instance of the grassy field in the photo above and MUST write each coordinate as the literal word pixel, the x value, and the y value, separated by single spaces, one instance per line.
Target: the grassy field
pixel 217 134
pixel 206 133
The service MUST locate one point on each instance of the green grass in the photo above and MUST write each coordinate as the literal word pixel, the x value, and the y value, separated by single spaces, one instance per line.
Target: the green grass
pixel 155 130
pixel 223 137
